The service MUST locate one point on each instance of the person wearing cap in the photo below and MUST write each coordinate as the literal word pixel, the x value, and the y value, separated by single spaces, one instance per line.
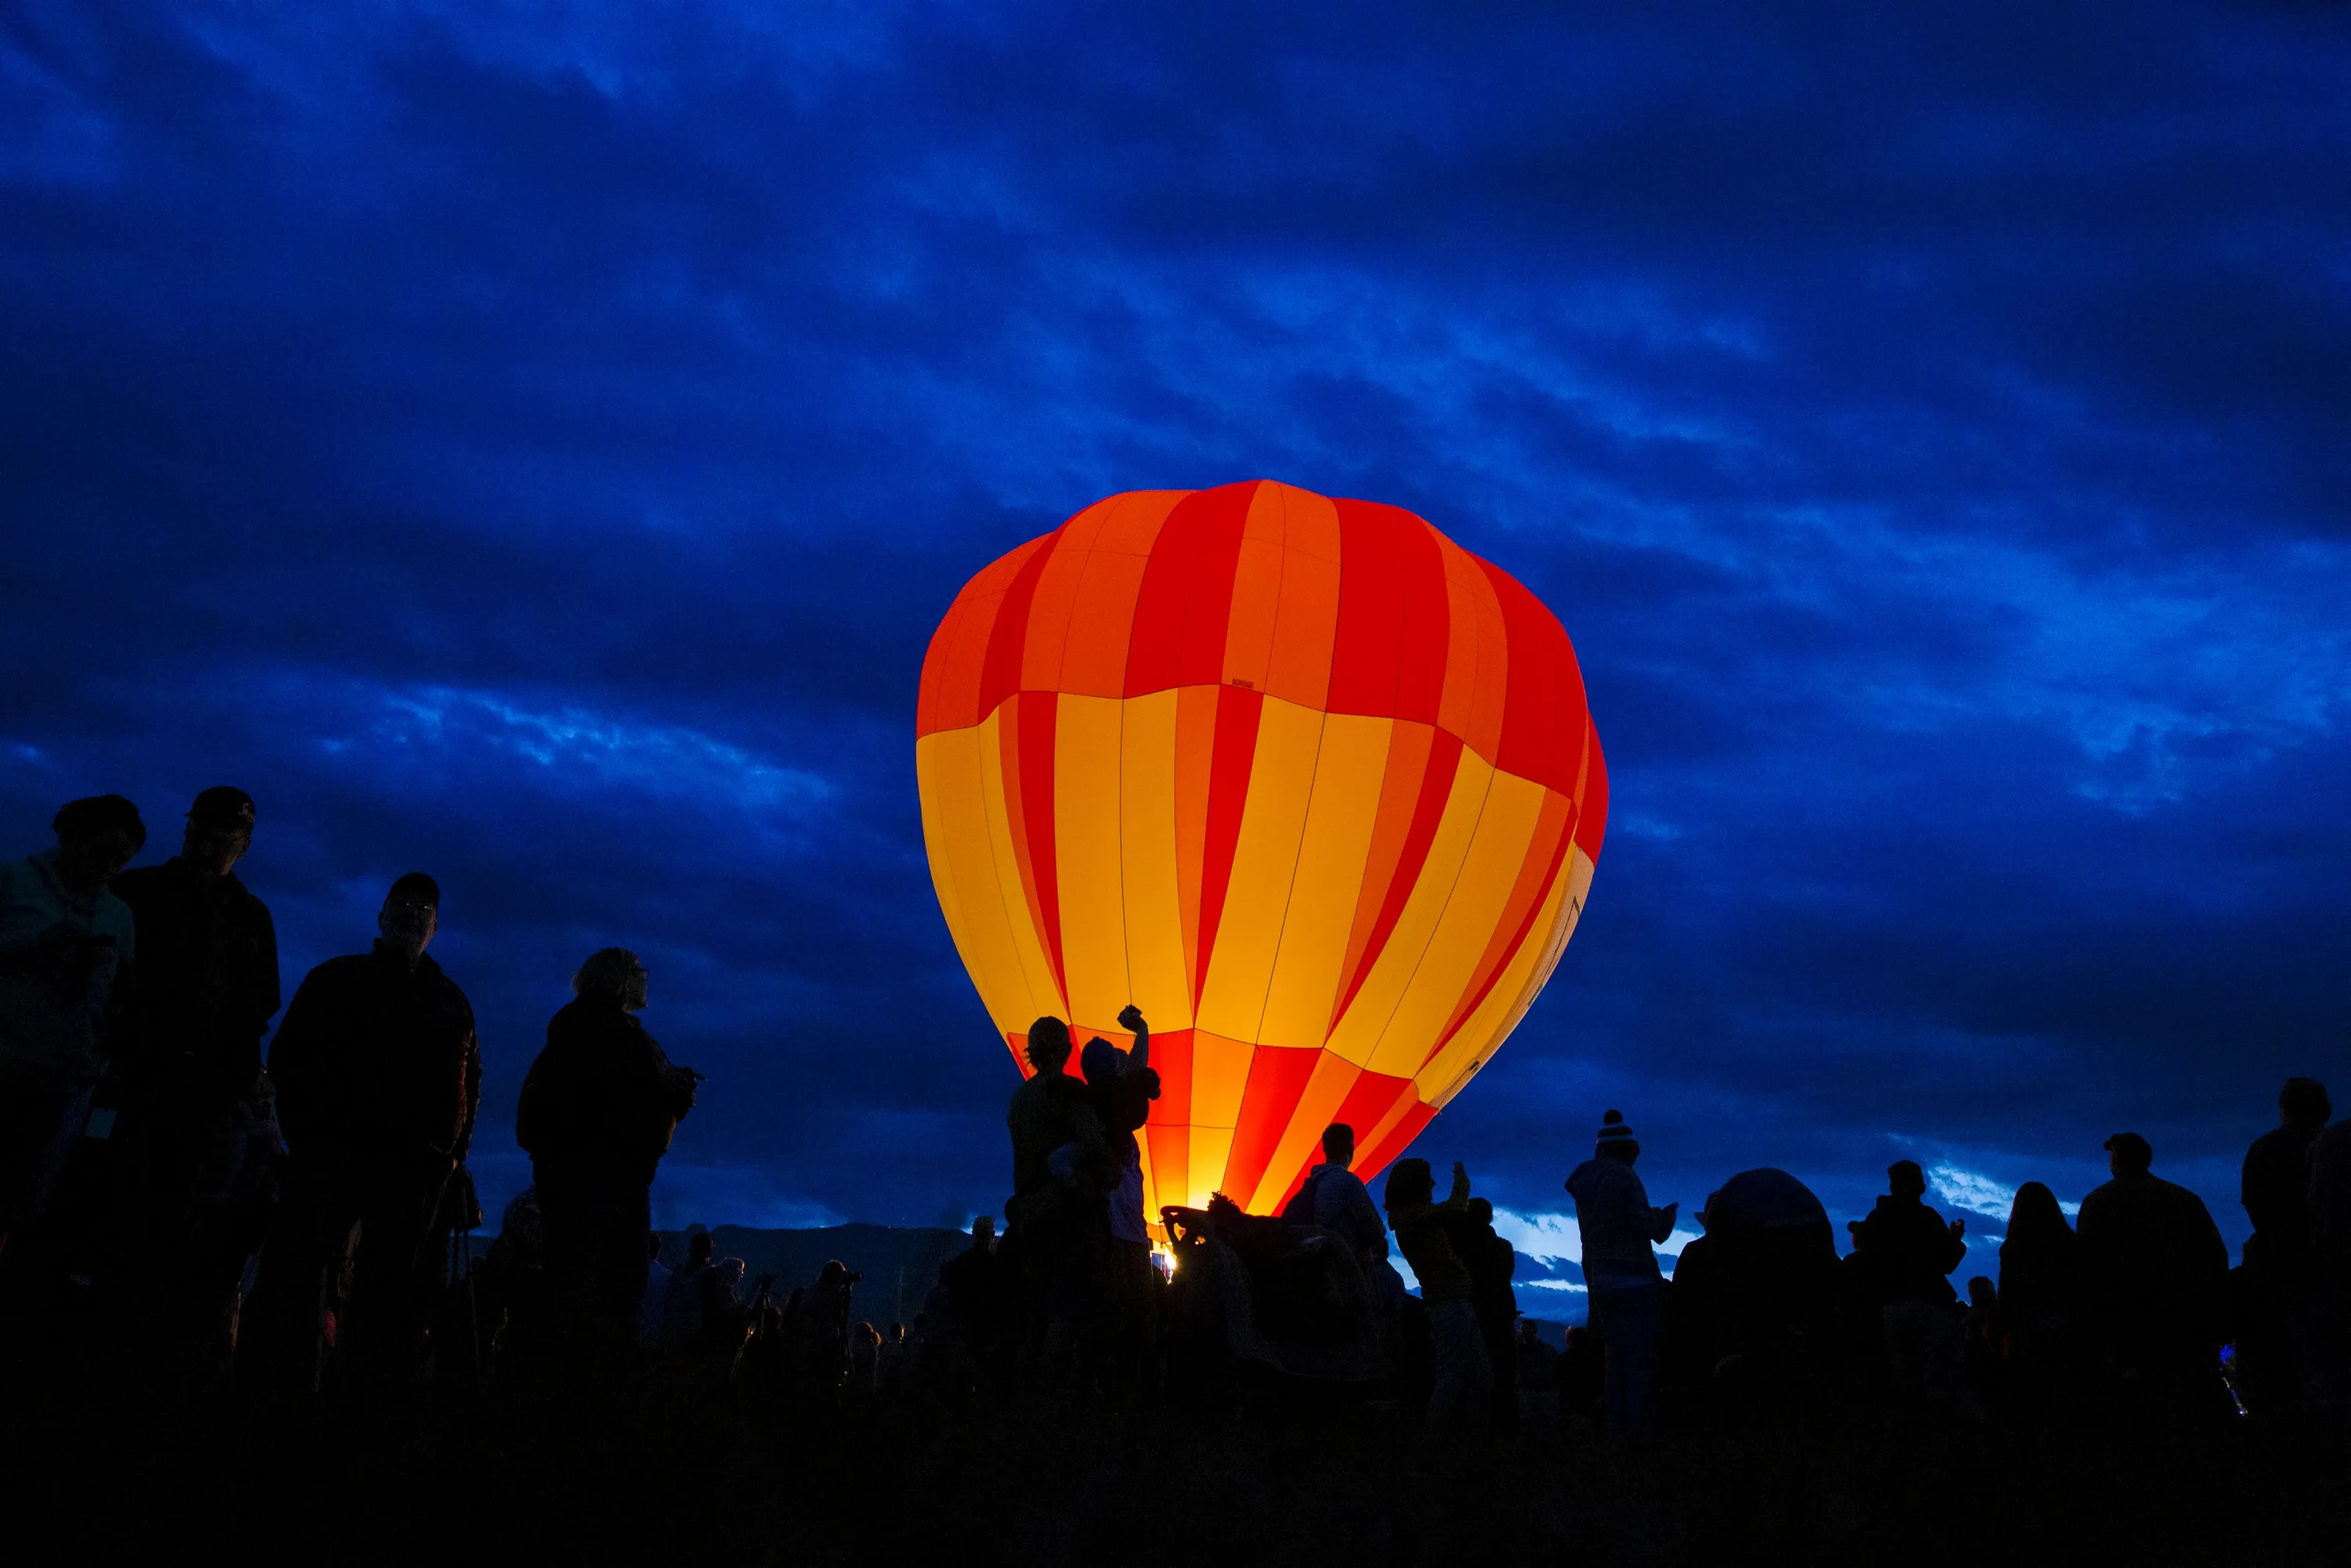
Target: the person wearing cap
pixel 1626 1291
pixel 65 942
pixel 378 1077
pixel 2277 1341
pixel 194 1102
pixel 2154 1272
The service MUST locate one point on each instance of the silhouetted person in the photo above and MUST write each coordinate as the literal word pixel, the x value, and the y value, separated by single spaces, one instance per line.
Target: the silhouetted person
pixel 652 1309
pixel 64 941
pixel 895 1366
pixel 2280 1332
pixel 682 1321
pixel 1537 1363
pixel 1701 1312
pixel 2154 1269
pixel 1907 1253
pixel 2040 1293
pixel 1492 1263
pixel 187 1066
pixel 378 1079
pixel 2330 1248
pixel 1462 1378
pixel 1986 1355
pixel 1061 1169
pixel 864 1359
pixel 1122 1086
pixel 597 1112
pixel 719 1324
pixel 826 1326
pixel 970 1286
pixel 1335 1198
pixel 1626 1291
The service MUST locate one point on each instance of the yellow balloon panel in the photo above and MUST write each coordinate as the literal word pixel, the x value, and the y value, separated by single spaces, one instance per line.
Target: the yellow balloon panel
pixel 1309 784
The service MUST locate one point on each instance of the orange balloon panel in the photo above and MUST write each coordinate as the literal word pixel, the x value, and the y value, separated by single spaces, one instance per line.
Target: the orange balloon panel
pixel 1304 781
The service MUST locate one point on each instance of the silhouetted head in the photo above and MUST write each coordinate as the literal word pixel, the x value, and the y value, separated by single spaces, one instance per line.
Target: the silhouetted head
pixel 97 836
pixel 1048 1045
pixel 410 916
pixel 219 832
pixel 612 975
pixel 2304 1102
pixel 1529 1332
pixel 2127 1153
pixel 1615 1140
pixel 1981 1291
pixel 2035 1215
pixel 1905 1179
pixel 1481 1209
pixel 983 1229
pixel 1410 1182
pixel 1339 1145
pixel 699 1246
pixel 1102 1063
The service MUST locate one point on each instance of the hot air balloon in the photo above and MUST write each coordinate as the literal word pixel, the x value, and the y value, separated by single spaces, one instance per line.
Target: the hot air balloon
pixel 1310 784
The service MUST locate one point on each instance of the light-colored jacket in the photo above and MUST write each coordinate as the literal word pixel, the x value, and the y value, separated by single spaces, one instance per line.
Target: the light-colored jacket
pixel 1612 1209
pixel 58 971
pixel 1343 1204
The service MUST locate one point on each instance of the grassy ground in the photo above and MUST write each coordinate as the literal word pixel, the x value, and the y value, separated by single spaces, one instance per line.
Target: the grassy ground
pixel 740 1478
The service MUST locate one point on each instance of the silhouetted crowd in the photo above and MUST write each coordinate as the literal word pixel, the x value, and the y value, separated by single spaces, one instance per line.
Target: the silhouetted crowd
pixel 306 1219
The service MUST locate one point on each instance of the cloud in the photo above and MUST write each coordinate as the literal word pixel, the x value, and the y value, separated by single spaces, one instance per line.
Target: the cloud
pixel 536 442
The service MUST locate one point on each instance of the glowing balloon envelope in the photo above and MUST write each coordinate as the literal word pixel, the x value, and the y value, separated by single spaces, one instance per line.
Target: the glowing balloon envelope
pixel 1310 784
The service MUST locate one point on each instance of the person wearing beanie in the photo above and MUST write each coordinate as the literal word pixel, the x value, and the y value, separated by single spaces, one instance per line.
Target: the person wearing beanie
pixel 65 939
pixel 378 1078
pixel 1625 1288
pixel 196 1127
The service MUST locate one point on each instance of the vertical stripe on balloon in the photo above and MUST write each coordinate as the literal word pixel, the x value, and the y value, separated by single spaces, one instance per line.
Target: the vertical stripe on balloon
pixel 1310 784
pixel 1235 756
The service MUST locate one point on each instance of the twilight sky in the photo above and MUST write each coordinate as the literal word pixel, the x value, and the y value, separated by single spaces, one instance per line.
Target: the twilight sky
pixel 533 444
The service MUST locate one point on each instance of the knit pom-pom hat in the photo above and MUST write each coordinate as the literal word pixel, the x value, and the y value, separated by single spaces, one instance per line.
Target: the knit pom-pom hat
pixel 1613 1133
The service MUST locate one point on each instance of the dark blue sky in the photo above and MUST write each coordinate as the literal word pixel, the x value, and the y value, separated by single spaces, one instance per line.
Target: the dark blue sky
pixel 533 444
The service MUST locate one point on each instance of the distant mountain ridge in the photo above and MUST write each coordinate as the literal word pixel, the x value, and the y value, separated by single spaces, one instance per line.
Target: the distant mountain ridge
pixel 900 1264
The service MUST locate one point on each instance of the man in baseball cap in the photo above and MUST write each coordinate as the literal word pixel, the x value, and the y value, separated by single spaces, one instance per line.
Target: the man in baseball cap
pixel 378 1078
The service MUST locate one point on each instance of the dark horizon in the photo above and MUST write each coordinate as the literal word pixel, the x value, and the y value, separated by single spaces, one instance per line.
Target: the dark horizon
pixel 537 450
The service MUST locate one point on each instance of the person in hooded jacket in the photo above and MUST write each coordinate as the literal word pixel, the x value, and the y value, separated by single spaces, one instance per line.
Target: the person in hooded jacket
pixel 597 1112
